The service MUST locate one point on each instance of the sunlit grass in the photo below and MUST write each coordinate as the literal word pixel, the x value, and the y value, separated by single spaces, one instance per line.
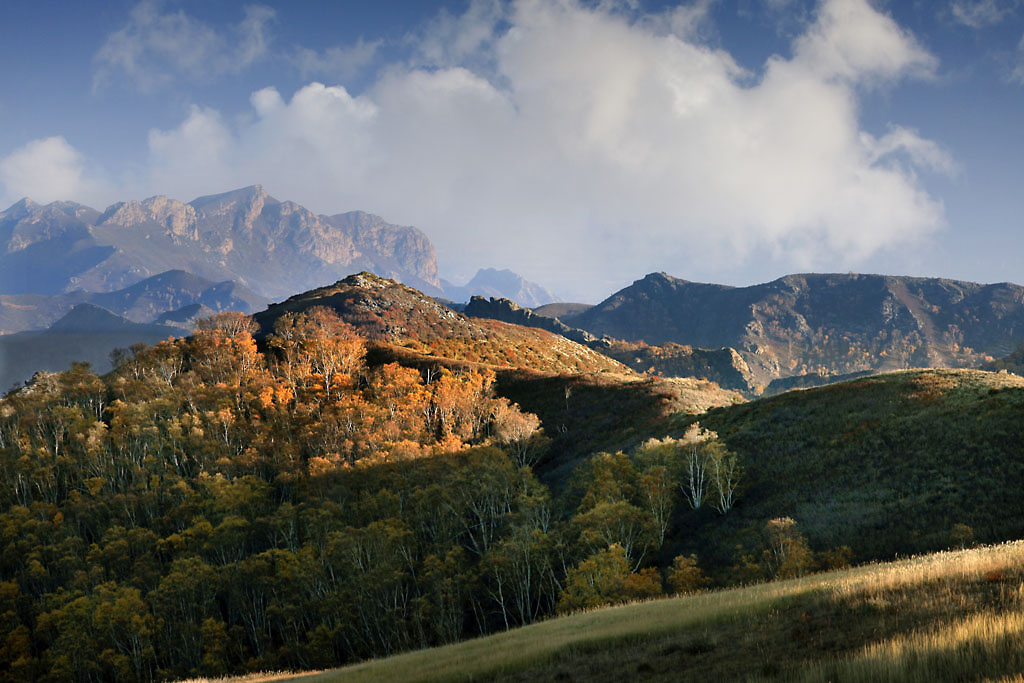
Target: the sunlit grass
pixel 953 637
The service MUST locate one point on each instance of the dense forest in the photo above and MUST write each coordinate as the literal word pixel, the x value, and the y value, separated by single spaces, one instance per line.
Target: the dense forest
pixel 214 506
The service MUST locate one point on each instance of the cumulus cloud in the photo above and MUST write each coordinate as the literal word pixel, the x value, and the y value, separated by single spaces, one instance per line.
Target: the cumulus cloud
pixel 46 170
pixel 582 144
pixel 156 46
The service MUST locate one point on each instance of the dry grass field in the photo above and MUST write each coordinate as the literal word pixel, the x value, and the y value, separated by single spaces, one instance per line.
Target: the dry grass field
pixel 950 616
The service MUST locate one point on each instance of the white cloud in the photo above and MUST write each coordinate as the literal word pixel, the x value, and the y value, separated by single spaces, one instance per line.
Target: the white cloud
pixel 155 46
pixel 46 170
pixel 853 41
pixel 982 13
pixel 580 144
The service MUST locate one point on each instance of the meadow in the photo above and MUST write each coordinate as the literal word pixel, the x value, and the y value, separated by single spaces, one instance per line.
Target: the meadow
pixel 949 616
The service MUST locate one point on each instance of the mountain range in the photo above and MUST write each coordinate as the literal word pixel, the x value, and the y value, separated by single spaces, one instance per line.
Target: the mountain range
pixel 275 248
pixel 821 324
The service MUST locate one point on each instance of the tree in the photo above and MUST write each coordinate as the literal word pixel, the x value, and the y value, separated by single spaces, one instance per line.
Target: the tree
pixel 519 433
pixel 604 578
pixel 684 576
pixel 786 555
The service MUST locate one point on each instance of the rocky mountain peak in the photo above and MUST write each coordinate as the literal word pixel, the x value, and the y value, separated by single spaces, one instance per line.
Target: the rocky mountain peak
pixel 19 209
pixel 176 217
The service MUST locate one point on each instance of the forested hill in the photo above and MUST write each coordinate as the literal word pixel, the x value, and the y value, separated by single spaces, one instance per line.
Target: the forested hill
pixel 827 324
pixel 216 506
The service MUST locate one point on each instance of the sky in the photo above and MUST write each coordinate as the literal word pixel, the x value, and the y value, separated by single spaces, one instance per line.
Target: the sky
pixel 582 144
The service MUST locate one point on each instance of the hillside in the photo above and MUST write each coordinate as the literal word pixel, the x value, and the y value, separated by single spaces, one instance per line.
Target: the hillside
pixel 953 616
pixel 884 464
pixel 725 367
pixel 386 311
pixel 317 498
pixel 273 247
pixel 825 324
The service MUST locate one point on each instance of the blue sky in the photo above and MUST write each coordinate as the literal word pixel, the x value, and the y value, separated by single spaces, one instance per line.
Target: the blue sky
pixel 582 144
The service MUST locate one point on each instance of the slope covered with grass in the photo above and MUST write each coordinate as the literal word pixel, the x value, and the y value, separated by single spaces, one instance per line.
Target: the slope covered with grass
pixel 950 616
pixel 886 465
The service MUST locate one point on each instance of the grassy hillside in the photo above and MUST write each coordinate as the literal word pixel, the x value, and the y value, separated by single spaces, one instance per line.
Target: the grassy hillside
pixel 885 464
pixel 952 616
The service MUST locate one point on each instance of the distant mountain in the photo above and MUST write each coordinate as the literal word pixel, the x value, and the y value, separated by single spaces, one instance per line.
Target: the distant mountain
pixel 824 324
pixel 87 333
pixel 563 310
pixel 141 302
pixel 508 311
pixel 391 313
pixel 272 247
pixel 490 282
pixel 185 317
pixel 723 366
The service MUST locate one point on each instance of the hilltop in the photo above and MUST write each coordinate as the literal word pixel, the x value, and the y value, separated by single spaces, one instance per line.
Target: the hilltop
pixel 824 324
pixel 389 312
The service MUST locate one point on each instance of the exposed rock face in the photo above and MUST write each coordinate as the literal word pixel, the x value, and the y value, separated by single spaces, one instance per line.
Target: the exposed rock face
pixel 821 324
pixel 502 284
pixel 272 247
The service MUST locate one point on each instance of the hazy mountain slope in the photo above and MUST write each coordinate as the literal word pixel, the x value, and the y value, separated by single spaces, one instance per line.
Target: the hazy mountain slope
pixel 88 333
pixel 831 324
pixel 561 310
pixel 142 302
pixel 273 247
pixel 491 282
